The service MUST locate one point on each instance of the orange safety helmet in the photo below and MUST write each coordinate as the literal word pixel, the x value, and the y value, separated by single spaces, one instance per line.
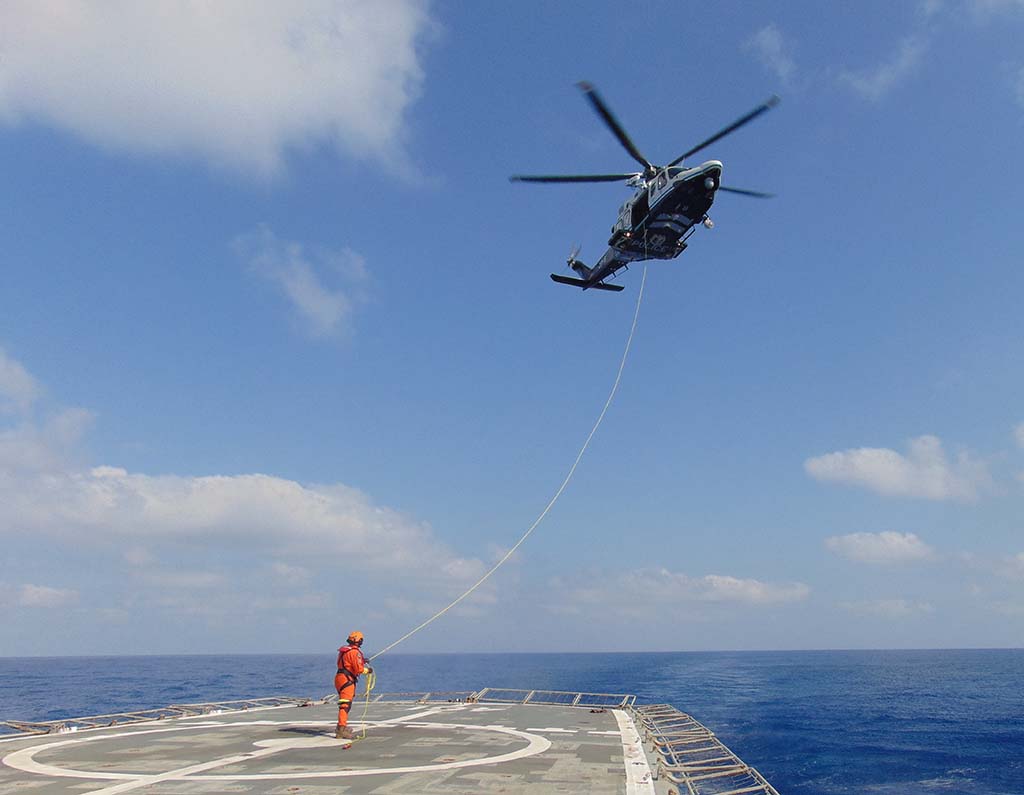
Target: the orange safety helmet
pixel 355 637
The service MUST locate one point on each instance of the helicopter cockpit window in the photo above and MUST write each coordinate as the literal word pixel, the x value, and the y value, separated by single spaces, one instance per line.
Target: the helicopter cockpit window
pixel 662 180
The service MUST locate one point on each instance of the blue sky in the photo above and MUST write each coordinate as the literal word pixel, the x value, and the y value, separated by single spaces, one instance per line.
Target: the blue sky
pixel 280 358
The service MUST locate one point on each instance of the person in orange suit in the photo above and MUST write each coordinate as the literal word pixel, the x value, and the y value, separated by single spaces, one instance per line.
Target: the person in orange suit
pixel 351 664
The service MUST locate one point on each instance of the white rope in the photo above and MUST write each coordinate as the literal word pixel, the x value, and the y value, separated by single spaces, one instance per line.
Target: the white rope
pixel 550 505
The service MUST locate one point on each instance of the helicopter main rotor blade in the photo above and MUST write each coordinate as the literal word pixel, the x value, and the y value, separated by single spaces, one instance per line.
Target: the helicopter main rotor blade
pixel 614 126
pixel 762 108
pixel 572 178
pixel 743 192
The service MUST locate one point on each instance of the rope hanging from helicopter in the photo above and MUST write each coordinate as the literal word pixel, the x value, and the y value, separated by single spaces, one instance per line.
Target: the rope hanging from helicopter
pixel 641 180
pixel 554 499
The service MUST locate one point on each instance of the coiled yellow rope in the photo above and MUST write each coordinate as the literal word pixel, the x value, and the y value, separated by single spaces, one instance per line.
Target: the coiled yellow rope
pixel 371 682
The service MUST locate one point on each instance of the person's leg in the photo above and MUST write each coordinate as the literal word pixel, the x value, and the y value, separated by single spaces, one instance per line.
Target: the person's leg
pixel 345 696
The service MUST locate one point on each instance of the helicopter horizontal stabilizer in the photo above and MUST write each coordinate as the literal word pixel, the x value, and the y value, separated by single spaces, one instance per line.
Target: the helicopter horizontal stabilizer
pixel 586 285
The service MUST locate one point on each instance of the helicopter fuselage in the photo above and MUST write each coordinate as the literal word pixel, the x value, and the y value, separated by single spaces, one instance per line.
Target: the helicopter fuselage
pixel 669 201
pixel 656 221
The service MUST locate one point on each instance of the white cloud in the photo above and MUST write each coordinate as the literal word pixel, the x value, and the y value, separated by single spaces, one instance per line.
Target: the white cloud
pixel 886 547
pixel 889 608
pixel 234 83
pixel 45 596
pixel 289 574
pixel 874 84
pixel 40 447
pixel 323 286
pixel 401 606
pixel 639 591
pixel 1012 567
pixel 105 504
pixel 18 389
pixel 723 588
pixel 924 472
pixel 303 601
pixel 771 48
pixel 183 579
pixel 987 8
pixel 47 493
pixel 138 556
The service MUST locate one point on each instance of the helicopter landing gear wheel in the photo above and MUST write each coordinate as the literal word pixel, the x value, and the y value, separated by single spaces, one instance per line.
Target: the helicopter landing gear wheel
pixel 708 223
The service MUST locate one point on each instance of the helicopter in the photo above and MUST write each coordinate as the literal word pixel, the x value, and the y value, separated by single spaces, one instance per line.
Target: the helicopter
pixel 664 211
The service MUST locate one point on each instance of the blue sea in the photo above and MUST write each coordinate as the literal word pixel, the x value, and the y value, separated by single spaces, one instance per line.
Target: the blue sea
pixel 907 722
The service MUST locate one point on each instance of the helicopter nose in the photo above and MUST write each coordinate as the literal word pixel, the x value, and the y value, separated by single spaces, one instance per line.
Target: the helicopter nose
pixel 712 175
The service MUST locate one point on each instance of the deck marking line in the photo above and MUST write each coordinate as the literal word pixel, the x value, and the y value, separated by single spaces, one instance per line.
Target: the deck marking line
pixel 552 730
pixel 410 717
pixel 23 759
pixel 184 772
pixel 536 745
pixel 638 772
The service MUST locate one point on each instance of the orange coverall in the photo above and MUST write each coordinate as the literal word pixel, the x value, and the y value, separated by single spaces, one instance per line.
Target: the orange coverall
pixel 351 664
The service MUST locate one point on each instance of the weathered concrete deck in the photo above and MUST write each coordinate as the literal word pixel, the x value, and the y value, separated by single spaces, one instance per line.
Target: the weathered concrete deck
pixel 408 748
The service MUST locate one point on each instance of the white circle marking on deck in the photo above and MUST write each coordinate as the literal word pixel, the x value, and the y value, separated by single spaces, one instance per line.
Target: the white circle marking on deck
pixel 23 759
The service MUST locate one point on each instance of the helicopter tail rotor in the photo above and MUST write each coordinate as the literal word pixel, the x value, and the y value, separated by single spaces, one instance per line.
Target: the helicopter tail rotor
pixel 576 265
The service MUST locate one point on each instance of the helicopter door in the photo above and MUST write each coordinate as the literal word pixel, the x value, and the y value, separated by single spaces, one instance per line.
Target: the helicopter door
pixel 641 206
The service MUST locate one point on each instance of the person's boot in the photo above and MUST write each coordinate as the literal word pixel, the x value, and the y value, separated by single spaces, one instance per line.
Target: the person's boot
pixel 343 733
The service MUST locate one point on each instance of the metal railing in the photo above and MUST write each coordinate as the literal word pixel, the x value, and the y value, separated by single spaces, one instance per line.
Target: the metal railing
pixel 15 728
pixel 553 697
pixel 496 695
pixel 691 756
pixel 446 696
